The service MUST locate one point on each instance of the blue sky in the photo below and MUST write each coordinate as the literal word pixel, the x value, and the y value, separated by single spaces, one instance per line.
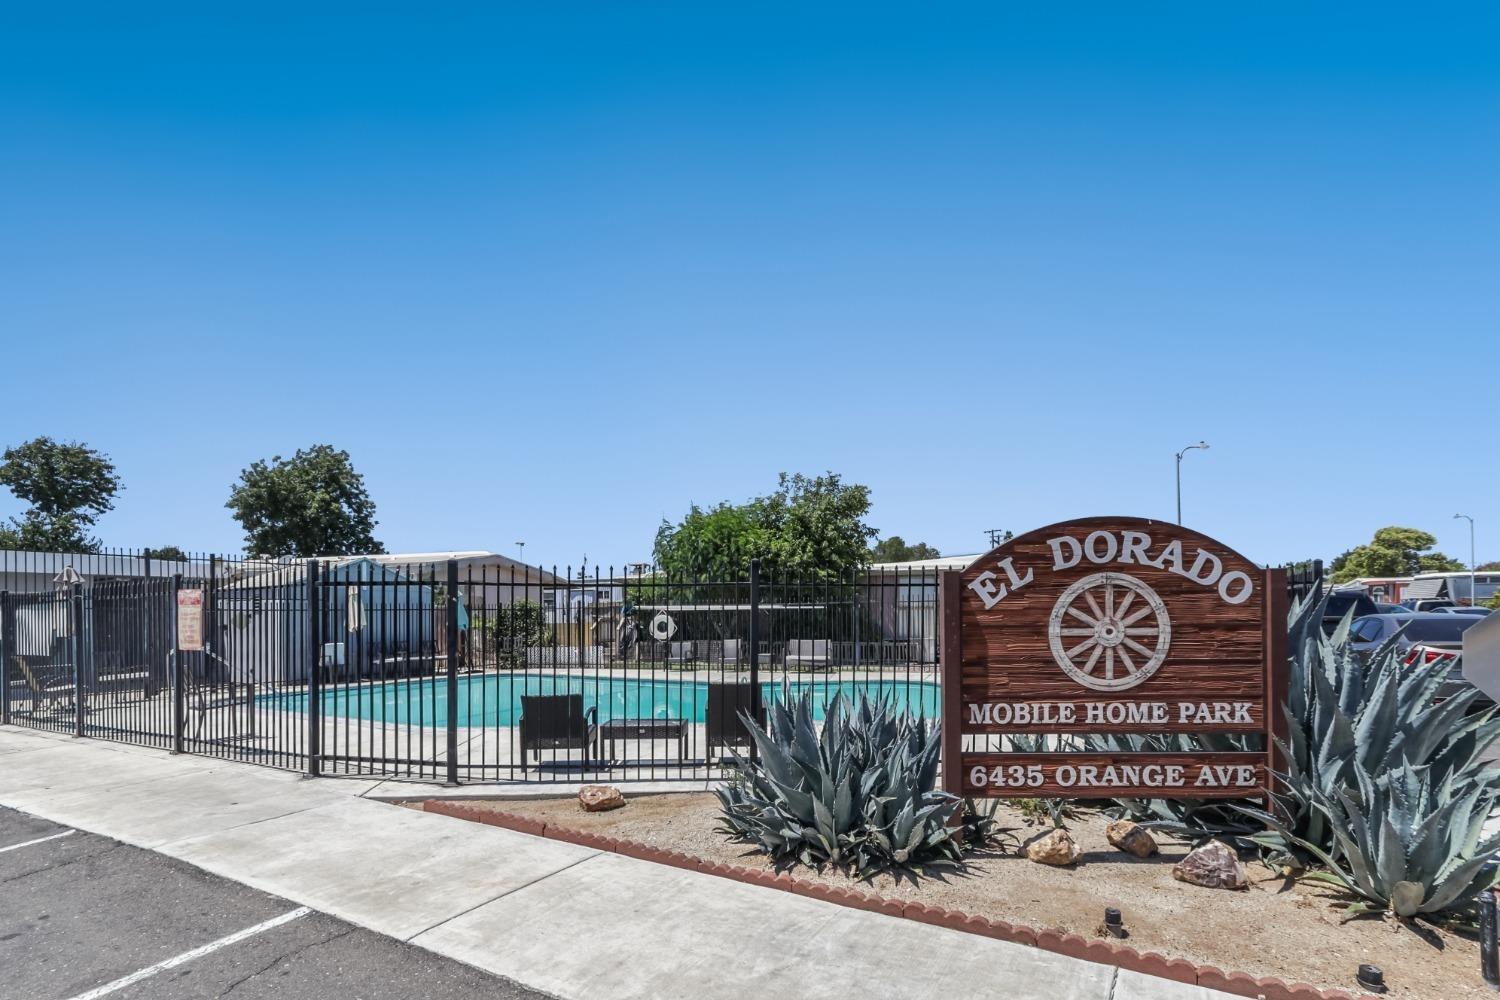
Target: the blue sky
pixel 554 275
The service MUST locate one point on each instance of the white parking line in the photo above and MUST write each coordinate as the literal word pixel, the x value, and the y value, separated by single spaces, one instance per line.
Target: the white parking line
pixel 39 840
pixel 188 956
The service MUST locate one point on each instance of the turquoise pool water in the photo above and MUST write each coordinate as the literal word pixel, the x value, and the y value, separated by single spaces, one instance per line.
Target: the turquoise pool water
pixel 495 699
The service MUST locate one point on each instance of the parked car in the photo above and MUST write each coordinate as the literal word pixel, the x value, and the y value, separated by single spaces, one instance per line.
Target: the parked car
pixel 1423 639
pixel 1457 610
pixel 1340 602
pixel 1382 608
pixel 1426 603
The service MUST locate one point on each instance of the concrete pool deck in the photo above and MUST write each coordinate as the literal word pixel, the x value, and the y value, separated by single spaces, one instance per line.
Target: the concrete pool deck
pixel 556 917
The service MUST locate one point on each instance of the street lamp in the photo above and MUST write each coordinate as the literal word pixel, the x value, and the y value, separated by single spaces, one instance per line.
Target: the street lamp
pixel 520 552
pixel 1200 446
pixel 1473 594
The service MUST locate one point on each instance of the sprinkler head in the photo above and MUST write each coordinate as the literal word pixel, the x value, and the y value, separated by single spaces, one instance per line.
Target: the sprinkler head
pixel 1113 924
pixel 1371 978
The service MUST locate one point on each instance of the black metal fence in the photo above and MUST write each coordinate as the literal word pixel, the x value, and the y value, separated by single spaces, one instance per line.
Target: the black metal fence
pixel 476 669
pixel 462 670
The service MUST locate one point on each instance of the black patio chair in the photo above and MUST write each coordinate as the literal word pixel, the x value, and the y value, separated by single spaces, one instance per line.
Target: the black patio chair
pixel 558 722
pixel 725 728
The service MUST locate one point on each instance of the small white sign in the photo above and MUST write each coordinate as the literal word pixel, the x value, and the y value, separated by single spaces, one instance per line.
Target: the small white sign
pixel 190 620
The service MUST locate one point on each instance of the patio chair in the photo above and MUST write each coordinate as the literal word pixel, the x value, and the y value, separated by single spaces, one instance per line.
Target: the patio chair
pixel 807 653
pixel 729 652
pixel 51 684
pixel 558 722
pixel 722 722
pixel 679 652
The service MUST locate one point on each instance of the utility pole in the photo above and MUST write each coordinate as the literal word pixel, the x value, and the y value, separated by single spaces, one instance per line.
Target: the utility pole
pixel 996 535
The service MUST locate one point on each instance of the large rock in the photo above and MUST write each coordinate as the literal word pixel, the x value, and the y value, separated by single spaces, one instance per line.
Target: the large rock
pixel 1131 838
pixel 1214 866
pixel 600 798
pixel 1056 847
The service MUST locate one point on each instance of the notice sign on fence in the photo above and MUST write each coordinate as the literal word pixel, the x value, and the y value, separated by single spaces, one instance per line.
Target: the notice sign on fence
pixel 190 620
pixel 1094 631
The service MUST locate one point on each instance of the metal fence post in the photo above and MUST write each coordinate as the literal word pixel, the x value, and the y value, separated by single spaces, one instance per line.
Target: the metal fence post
pixel 179 681
pixel 314 672
pixel 1489 961
pixel 79 648
pixel 5 642
pixel 756 708
pixel 452 671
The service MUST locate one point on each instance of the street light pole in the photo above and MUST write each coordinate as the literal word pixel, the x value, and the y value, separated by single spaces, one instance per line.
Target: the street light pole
pixel 1473 593
pixel 1200 446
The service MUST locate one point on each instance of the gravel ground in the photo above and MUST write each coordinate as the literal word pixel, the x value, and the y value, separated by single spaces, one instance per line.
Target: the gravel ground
pixel 1274 929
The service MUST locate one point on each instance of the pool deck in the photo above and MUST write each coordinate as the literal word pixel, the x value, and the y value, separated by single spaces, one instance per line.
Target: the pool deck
pixel 562 919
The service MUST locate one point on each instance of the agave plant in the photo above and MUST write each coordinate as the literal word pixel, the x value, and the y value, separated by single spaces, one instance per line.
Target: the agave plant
pixel 862 793
pixel 1410 841
pixel 1349 719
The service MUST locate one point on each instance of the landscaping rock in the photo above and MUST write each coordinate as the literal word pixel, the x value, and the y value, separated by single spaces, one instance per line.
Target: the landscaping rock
pixel 1214 866
pixel 600 798
pixel 1132 838
pixel 1055 847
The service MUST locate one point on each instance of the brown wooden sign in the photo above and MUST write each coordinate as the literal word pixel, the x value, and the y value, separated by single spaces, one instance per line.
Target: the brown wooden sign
pixel 1110 625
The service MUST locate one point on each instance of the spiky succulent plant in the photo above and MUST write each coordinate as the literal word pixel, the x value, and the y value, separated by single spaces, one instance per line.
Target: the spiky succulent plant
pixel 1410 841
pixel 862 793
pixel 1386 782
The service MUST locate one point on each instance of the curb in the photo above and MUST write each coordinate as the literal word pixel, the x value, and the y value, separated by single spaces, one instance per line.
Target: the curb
pixel 1050 939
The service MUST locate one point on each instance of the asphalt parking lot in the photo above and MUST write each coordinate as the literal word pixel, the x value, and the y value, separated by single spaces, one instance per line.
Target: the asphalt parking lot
pixel 83 917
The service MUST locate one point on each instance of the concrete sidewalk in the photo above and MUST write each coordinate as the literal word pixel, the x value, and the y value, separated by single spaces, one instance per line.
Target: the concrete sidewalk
pixel 556 917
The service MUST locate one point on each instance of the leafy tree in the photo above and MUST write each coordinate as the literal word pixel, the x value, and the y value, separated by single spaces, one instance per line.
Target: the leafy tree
pixel 713 544
pixel 1394 551
pixel 166 553
pixel 895 549
pixel 311 504
pixel 67 487
pixel 1490 566
pixel 818 525
pixel 812 526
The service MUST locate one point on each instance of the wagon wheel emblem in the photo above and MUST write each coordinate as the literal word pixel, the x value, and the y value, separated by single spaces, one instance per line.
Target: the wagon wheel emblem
pixel 1109 631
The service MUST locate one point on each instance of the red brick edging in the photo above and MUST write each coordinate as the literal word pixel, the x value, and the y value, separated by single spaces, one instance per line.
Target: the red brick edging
pixel 1074 945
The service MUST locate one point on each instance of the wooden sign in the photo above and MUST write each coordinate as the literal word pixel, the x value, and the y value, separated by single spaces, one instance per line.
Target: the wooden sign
pixel 1109 625
pixel 190 620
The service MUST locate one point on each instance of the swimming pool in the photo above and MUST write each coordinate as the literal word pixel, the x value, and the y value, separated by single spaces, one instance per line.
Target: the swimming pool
pixel 495 699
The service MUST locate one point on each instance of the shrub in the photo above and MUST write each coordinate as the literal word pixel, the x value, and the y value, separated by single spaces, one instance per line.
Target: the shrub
pixel 861 794
pixel 512 628
pixel 1386 784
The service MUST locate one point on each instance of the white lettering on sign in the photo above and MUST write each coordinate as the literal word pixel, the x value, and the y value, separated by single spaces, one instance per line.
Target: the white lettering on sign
pixel 1104 714
pixel 1129 548
pixel 989 592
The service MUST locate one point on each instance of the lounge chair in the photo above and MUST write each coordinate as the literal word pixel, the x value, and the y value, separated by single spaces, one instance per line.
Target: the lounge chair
pixel 729 653
pixel 722 722
pixel 558 722
pixel 679 652
pixel 807 653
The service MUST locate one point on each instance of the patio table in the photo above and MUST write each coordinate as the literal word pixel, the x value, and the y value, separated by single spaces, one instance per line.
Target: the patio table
pixel 645 729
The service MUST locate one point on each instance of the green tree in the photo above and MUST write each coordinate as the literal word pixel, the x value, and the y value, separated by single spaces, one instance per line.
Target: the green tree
pixel 808 526
pixel 1490 566
pixel 311 504
pixel 895 549
pixel 67 487
pixel 166 553
pixel 1394 551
